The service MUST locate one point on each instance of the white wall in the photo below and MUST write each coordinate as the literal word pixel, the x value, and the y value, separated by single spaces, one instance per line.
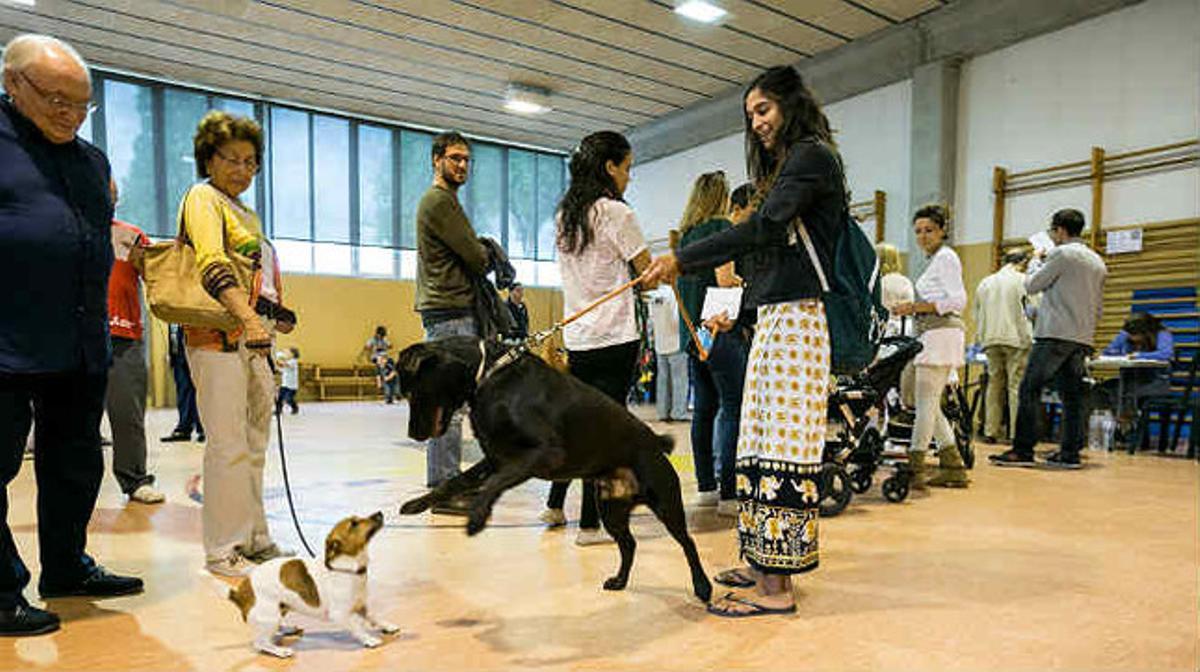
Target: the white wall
pixel 1122 81
pixel 659 189
pixel 873 135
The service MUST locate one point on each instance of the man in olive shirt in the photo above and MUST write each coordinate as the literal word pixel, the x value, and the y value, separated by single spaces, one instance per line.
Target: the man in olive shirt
pixel 449 255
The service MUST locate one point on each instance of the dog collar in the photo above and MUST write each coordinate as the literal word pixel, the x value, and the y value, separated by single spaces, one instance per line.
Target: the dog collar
pixel 358 571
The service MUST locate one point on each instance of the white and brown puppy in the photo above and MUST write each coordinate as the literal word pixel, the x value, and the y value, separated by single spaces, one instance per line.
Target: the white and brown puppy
pixel 335 590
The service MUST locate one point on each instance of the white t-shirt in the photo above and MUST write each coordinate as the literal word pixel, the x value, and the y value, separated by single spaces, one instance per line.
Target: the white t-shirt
pixel 600 268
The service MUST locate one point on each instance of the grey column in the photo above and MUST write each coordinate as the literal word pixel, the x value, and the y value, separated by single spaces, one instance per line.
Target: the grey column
pixel 934 140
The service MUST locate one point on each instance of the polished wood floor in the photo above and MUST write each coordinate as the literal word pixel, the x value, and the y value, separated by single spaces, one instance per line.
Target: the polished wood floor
pixel 1027 570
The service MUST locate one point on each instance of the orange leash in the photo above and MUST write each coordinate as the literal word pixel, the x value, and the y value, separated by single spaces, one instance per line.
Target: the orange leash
pixel 701 352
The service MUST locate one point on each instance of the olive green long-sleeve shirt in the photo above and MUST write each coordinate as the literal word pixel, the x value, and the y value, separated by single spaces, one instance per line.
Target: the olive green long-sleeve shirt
pixel 448 253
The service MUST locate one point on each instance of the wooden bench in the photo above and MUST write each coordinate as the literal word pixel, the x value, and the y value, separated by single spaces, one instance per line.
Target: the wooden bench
pixel 341 382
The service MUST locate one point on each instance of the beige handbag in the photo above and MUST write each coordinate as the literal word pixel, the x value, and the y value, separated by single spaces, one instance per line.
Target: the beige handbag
pixel 174 292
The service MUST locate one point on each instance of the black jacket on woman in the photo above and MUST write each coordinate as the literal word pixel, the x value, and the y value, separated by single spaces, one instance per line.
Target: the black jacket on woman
pixel 810 187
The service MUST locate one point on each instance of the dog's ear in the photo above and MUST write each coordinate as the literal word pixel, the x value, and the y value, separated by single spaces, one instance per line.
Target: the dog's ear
pixel 414 361
pixel 333 547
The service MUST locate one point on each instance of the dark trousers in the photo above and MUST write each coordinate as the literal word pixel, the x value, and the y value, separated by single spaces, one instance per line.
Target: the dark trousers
pixel 185 398
pixel 609 370
pixel 717 409
pixel 286 397
pixel 1065 364
pixel 125 401
pixel 67 465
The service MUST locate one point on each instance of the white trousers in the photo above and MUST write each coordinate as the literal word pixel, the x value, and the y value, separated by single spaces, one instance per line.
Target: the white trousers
pixel 235 394
pixel 931 422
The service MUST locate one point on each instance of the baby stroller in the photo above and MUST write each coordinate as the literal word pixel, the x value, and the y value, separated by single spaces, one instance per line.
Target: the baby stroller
pixel 869 427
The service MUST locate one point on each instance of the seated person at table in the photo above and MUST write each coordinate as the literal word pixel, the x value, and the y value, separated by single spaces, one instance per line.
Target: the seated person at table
pixel 1142 336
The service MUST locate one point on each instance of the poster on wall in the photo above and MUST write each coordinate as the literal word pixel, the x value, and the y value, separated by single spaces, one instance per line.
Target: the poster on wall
pixel 1124 242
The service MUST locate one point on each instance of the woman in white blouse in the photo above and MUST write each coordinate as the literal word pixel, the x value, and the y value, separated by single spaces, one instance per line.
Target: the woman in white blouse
pixel 941 298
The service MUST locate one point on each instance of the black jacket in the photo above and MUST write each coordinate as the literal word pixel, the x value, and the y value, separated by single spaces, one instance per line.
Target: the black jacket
pixel 811 187
pixel 55 251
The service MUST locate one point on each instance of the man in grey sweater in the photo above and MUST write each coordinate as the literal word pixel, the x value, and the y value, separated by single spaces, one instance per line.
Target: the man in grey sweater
pixel 448 255
pixel 1071 282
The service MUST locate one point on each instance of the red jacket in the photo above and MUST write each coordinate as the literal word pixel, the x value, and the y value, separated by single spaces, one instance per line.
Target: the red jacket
pixel 124 297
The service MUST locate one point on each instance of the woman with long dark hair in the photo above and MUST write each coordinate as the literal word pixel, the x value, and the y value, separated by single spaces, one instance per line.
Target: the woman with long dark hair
pixel 598 240
pixel 800 193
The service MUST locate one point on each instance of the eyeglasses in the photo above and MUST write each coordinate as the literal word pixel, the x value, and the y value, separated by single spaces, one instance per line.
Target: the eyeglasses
pixel 250 164
pixel 58 103
pixel 458 158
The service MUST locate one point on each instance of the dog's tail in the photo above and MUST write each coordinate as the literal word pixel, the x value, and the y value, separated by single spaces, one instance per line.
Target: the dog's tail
pixel 666 443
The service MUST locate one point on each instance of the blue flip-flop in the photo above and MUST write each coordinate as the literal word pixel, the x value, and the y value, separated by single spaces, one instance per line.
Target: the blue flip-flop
pixel 756 609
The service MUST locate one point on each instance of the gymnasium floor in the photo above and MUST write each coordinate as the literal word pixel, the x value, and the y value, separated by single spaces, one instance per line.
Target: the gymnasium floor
pixel 1027 570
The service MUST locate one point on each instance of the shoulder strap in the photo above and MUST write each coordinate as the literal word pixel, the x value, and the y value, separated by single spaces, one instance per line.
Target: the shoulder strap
pixel 812 253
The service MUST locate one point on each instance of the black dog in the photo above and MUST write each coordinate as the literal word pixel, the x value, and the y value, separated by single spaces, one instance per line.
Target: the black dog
pixel 535 422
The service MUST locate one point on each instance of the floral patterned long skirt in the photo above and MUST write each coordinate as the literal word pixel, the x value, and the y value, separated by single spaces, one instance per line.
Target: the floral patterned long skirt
pixel 781 438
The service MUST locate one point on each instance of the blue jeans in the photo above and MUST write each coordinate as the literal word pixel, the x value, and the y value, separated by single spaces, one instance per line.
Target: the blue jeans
pixel 443 455
pixel 671 386
pixel 717 410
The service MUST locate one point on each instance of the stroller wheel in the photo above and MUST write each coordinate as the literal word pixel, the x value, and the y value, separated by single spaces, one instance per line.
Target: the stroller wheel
pixel 895 489
pixel 860 481
pixel 835 490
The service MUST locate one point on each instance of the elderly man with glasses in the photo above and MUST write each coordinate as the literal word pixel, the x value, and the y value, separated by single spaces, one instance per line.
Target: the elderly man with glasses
pixel 55 255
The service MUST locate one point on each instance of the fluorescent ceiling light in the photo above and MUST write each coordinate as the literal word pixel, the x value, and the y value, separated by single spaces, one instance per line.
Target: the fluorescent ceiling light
pixel 699 10
pixel 27 3
pixel 527 99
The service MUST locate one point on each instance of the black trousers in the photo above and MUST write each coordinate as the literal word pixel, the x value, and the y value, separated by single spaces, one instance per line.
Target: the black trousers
pixel 67 465
pixel 609 370
pixel 1064 363
pixel 185 396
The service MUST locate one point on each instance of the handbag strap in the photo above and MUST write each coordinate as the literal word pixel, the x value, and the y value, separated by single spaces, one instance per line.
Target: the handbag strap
pixel 812 253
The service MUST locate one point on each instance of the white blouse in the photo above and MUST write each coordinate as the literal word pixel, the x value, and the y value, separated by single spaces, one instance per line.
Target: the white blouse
pixel 942 282
pixel 598 270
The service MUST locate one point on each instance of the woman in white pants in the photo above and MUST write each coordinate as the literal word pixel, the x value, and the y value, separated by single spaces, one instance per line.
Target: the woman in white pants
pixel 235 389
pixel 941 298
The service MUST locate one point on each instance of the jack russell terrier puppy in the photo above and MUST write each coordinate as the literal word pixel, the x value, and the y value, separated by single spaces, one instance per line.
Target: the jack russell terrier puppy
pixel 335 590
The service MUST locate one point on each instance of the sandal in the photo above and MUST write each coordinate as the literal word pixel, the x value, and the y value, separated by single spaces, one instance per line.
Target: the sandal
pixel 734 578
pixel 756 609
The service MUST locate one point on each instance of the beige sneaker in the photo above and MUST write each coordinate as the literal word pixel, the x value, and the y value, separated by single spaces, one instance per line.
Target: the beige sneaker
pixel 553 518
pixel 146 494
pixel 592 538
pixel 235 564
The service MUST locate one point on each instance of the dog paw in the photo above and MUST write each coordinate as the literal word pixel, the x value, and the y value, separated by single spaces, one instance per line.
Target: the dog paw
pixel 476 523
pixel 388 628
pixel 277 651
pixel 615 583
pixel 370 641
pixel 415 506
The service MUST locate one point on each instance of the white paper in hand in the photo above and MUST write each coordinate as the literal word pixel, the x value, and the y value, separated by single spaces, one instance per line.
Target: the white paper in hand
pixel 719 300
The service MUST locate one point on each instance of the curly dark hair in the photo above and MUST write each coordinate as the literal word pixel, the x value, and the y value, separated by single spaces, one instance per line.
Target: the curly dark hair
pixel 590 182
pixel 802 119
pixel 218 128
pixel 936 213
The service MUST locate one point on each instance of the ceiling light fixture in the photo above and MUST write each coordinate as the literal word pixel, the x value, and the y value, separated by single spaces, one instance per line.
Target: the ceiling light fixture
pixel 27 3
pixel 527 99
pixel 699 10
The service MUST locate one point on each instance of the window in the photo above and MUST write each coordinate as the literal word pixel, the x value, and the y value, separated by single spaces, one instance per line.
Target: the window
pixel 129 130
pixel 375 174
pixel 85 131
pixel 485 191
pixel 182 111
pixel 289 174
pixel 416 175
pixel 522 204
pixel 550 171
pixel 331 177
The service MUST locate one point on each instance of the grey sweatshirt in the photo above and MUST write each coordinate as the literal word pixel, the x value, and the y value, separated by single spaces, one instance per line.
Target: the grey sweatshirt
pixel 1071 282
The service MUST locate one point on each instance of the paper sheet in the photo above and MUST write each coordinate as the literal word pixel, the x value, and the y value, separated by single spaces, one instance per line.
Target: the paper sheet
pixel 719 300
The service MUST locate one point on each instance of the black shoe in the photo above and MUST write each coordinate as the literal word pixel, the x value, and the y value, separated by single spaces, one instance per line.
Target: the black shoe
pixel 176 436
pixel 24 621
pixel 200 438
pixel 1011 458
pixel 295 410
pixel 100 583
pixel 1061 460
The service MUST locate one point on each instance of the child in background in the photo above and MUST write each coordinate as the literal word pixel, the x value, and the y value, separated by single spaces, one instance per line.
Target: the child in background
pixel 289 375
pixel 388 379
